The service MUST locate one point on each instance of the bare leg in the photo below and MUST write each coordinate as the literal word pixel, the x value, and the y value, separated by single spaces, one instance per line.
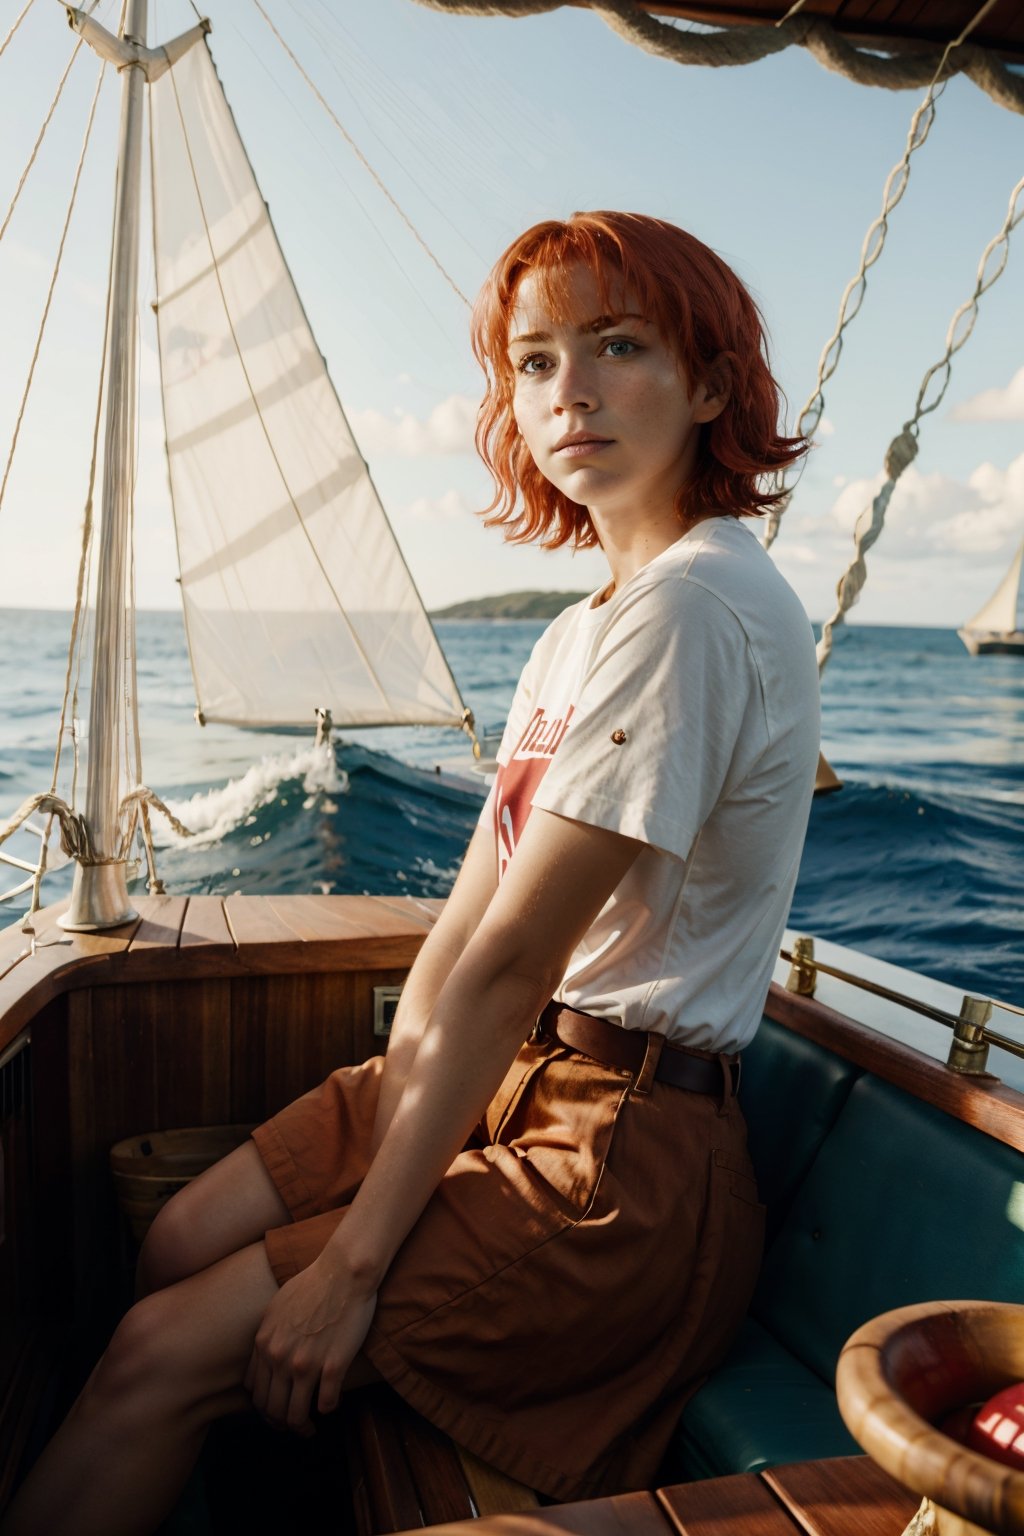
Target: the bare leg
pixel 225 1209
pixel 176 1362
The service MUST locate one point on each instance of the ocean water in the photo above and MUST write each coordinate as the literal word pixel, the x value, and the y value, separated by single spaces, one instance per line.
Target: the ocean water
pixel 918 860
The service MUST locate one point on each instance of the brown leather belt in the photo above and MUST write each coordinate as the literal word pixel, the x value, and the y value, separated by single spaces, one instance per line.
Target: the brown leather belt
pixel 614 1046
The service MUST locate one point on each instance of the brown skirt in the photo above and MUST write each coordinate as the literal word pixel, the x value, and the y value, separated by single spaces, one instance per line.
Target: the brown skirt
pixel 584 1263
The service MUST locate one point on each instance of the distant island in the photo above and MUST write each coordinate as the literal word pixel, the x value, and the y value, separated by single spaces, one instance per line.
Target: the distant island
pixel 511 605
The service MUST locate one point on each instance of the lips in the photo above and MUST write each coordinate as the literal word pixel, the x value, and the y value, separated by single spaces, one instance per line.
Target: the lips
pixel 575 444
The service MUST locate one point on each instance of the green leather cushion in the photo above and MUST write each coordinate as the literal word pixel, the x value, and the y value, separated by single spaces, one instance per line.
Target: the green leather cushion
pixel 902 1204
pixel 791 1092
pixel 761 1408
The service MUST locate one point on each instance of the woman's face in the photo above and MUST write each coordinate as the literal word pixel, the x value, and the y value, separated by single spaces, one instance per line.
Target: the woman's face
pixel 601 400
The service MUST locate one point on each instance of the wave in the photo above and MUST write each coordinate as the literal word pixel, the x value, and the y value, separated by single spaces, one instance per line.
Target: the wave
pixel 337 820
pixel 930 881
pixel 212 815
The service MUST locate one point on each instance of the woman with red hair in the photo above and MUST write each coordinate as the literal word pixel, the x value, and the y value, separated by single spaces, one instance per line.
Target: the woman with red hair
pixel 543 1245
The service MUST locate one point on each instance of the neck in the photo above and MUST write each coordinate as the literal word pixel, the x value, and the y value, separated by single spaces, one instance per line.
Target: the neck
pixel 628 548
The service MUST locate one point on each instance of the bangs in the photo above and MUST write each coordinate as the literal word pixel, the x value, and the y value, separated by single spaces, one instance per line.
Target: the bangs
pixel 550 255
pixel 553 266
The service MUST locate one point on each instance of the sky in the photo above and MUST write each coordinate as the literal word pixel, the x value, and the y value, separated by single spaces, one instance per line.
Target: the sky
pixel 479 127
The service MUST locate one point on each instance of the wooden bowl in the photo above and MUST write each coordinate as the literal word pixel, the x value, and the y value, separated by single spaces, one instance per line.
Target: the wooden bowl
pixel 907 1369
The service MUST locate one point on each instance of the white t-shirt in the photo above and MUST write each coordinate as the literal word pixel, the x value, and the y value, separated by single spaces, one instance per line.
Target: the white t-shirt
pixel 683 712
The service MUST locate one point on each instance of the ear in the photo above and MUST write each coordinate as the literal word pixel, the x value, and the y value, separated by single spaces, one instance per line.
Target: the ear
pixel 714 391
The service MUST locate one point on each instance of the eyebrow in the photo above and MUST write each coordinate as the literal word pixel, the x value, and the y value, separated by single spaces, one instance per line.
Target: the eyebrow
pixel 602 323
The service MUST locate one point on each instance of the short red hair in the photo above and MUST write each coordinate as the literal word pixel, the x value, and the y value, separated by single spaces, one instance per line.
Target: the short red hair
pixel 702 311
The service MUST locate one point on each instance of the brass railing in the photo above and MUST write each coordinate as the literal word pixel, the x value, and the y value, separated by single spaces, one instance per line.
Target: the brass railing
pixel 972 1037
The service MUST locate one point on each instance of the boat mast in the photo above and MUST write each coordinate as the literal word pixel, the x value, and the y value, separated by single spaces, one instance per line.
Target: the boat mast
pixel 99 897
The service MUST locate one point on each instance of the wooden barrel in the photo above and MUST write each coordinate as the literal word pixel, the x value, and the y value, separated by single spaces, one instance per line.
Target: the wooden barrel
pixel 149 1169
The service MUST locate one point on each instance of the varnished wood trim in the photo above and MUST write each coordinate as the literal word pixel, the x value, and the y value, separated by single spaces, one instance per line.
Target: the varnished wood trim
pixel 831 1498
pixel 160 925
pixel 493 1492
pixel 983 1102
pixel 206 926
pixel 176 939
pixel 624 1514
pixel 742 1504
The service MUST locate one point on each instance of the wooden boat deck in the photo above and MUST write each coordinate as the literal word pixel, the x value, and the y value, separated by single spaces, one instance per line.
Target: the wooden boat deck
pixel 816 1498
pixel 196 937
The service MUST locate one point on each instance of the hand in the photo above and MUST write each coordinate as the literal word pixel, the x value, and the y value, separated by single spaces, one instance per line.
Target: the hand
pixel 309 1336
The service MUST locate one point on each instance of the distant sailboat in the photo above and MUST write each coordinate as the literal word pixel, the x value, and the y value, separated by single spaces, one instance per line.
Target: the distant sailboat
pixel 998 626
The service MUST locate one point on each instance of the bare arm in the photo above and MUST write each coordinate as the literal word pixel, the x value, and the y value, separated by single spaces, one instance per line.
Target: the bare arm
pixel 446 942
pixel 562 874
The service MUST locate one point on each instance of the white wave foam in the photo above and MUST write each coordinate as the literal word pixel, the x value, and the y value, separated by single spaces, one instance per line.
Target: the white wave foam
pixel 428 867
pixel 211 814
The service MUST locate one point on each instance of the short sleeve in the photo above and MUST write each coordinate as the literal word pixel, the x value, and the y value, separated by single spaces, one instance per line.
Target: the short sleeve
pixel 522 705
pixel 670 717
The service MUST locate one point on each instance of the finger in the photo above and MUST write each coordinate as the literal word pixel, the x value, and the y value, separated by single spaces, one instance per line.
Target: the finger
pixel 257 1380
pixel 329 1396
pixel 297 1418
pixel 277 1396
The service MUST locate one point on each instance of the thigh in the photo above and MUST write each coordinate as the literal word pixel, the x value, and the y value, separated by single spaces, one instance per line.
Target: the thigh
pixel 225 1209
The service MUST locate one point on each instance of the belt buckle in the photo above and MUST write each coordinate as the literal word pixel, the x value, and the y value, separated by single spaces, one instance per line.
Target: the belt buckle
pixel 537 1034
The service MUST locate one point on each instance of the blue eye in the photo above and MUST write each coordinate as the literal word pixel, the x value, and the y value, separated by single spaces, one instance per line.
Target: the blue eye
pixel 620 342
pixel 529 363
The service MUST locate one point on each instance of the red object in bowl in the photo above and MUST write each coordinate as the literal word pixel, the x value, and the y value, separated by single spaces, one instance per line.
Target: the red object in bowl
pixel 997 1430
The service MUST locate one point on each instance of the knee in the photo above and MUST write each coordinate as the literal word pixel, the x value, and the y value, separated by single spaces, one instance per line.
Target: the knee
pixel 167 1253
pixel 140 1354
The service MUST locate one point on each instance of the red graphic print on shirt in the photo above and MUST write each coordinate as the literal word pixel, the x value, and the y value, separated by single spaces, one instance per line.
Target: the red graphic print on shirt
pixel 518 779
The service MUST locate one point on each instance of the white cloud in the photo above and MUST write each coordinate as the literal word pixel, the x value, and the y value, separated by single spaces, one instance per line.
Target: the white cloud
pixel 448 429
pixel 440 509
pixel 826 427
pixel 994 404
pixel 798 554
pixel 934 514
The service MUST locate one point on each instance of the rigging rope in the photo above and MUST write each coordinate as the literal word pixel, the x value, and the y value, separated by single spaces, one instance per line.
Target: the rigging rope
pixel 53 280
pixel 903 449
pixel 453 285
pixel 872 247
pixel 46 121
pixel 16 25
pixel 745 45
pixel 74 662
pixel 39 140
pixel 40 868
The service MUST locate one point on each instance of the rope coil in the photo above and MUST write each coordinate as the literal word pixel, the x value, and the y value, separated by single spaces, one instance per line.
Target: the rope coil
pixel 748 44
pixel 75 837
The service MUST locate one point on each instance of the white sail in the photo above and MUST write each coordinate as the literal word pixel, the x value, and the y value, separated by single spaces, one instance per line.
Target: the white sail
pixel 296 595
pixel 1001 614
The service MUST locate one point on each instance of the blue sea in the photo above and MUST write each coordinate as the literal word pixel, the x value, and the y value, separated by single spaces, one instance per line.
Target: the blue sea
pixel 918 860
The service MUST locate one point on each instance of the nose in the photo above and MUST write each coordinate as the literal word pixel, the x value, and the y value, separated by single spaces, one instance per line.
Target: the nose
pixel 575 387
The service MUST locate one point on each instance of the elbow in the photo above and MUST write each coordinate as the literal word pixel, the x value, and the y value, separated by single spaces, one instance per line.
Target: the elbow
pixel 511 984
